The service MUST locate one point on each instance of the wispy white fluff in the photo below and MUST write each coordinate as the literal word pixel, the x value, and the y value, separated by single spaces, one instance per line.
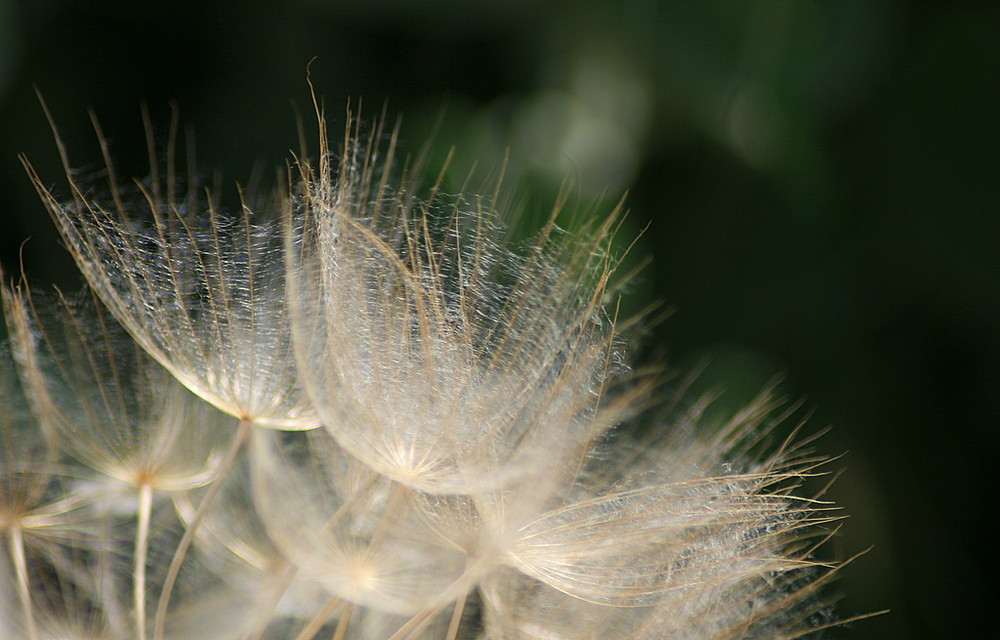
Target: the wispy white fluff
pixel 198 288
pixel 432 353
pixel 475 475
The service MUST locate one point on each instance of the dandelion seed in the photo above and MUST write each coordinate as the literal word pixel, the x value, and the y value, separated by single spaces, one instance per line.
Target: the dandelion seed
pixel 432 353
pixel 112 407
pixel 345 528
pixel 200 289
pixel 712 556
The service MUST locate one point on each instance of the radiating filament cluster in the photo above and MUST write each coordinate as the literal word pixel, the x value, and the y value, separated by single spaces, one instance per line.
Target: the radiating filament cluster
pixel 355 409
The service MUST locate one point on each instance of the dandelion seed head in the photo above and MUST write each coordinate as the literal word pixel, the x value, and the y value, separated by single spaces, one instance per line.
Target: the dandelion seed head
pixel 432 428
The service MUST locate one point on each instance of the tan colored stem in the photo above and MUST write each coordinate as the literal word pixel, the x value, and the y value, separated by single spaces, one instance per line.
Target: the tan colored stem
pixel 345 620
pixel 141 551
pixel 175 565
pixel 456 618
pixel 318 620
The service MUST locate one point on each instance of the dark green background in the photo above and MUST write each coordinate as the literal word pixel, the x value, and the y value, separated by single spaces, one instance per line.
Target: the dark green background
pixel 819 181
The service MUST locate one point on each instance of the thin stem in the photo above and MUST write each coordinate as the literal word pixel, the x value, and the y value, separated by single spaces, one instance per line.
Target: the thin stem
pixel 456 618
pixel 318 620
pixel 21 567
pixel 141 551
pixel 416 623
pixel 345 619
pixel 175 565
pixel 458 589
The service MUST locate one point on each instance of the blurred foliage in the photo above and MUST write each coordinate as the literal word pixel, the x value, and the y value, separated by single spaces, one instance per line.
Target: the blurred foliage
pixel 818 180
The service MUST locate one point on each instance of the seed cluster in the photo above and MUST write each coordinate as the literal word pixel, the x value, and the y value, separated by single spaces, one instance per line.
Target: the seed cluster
pixel 354 409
